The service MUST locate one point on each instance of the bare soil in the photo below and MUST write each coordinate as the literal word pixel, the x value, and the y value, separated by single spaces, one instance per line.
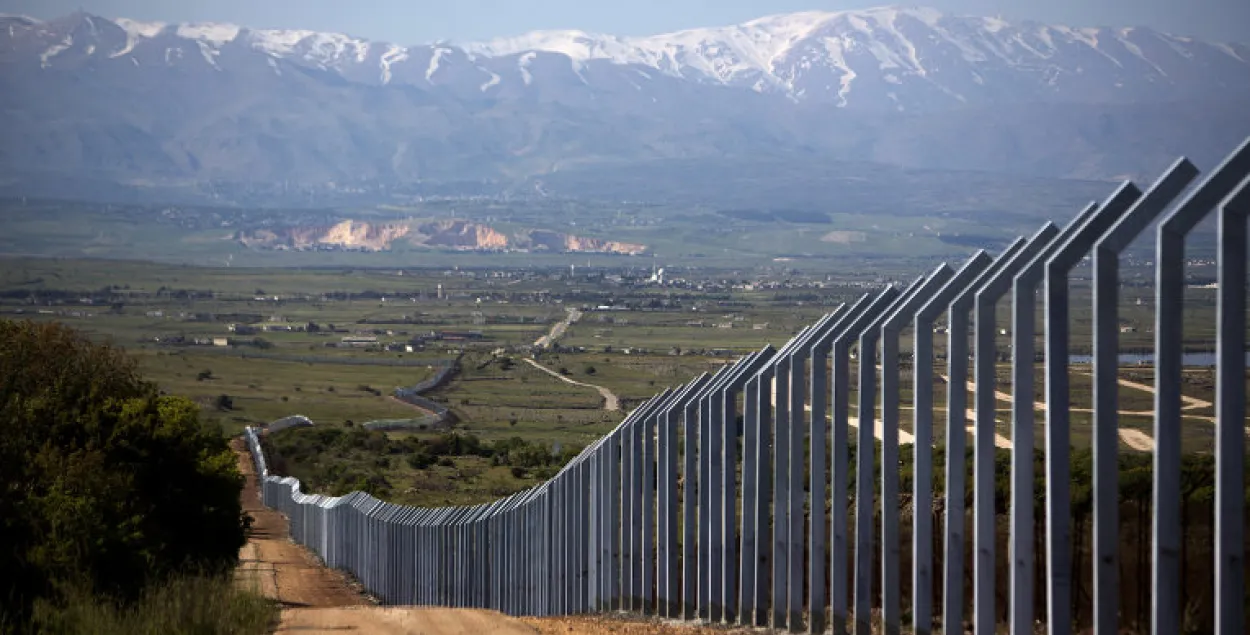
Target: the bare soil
pixel 276 567
pixel 623 624
pixel 317 600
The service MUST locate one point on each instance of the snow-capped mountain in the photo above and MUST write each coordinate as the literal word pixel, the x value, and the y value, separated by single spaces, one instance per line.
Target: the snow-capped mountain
pixel 891 58
pixel 911 58
pixel 224 101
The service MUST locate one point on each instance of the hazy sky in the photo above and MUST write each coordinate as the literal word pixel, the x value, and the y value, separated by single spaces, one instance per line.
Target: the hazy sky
pixel 421 21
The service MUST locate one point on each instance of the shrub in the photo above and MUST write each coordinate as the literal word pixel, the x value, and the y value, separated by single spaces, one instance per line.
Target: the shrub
pixel 420 459
pixel 111 486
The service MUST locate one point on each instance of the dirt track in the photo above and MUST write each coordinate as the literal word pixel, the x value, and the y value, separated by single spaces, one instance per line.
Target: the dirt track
pixel 320 601
pixel 611 402
pixel 623 625
pixel 277 567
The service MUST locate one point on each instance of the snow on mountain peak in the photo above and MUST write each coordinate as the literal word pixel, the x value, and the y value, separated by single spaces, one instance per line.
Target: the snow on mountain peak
pixel 209 32
pixel 748 50
pixel 320 48
pixel 901 57
pixel 140 29
pixel 577 45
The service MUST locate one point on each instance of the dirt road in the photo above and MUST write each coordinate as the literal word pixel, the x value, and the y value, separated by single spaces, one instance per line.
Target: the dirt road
pixel 558 329
pixel 277 567
pixel 623 625
pixel 317 600
pixel 611 402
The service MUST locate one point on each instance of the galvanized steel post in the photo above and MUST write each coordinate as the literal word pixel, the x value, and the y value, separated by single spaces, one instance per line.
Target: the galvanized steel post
pixel 1058 434
pixel 985 424
pixel 1169 327
pixel 891 328
pixel 1106 253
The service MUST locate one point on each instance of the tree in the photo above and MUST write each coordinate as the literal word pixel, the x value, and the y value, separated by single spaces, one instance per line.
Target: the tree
pixel 224 402
pixel 108 486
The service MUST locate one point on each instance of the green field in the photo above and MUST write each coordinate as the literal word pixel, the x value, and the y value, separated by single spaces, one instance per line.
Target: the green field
pixel 665 337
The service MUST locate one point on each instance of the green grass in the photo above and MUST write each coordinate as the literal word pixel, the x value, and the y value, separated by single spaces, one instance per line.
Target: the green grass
pixel 264 390
pixel 190 605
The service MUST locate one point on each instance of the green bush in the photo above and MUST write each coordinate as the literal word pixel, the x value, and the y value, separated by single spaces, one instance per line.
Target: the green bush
pixel 110 487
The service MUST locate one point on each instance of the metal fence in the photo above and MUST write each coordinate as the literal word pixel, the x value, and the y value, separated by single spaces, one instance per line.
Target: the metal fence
pixel 709 501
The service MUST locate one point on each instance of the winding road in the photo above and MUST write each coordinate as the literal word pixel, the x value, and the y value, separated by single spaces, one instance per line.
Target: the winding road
pixel 611 402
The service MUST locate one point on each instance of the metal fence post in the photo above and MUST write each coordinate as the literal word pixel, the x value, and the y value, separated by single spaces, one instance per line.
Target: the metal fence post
pixel 1058 433
pixel 865 457
pixel 922 428
pixel 1023 331
pixel 1106 253
pixel 735 382
pixel 985 424
pixel 839 405
pixel 780 400
pixel 647 558
pixel 818 464
pixel 714 433
pixel 1169 317
pixel 787 600
pixel 690 476
pixel 756 500
pixel 668 534
pixel 956 440
pixel 1230 416
pixel 891 329
pixel 771 536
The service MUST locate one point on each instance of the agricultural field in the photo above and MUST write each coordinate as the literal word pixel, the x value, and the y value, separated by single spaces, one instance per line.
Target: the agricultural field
pixel 256 345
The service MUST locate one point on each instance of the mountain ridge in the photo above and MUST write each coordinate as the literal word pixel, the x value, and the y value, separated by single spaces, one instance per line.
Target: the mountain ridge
pixel 807 56
pixel 131 101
